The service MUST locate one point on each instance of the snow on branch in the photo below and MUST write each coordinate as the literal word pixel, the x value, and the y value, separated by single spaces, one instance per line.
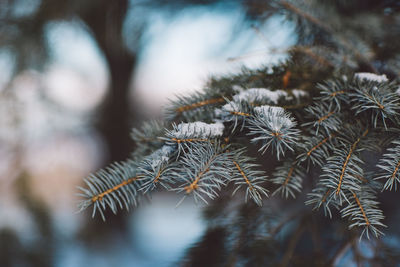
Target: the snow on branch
pixel 198 129
pixel 366 76
pixel 262 95
pixel 199 150
pixel 273 126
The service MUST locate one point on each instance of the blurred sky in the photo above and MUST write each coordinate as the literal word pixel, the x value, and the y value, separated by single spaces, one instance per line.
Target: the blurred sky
pixel 180 51
pixel 186 50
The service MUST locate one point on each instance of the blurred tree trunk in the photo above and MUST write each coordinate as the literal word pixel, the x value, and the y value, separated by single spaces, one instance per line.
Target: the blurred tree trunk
pixel 105 20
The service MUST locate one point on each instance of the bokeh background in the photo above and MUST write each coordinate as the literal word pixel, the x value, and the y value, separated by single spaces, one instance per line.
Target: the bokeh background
pixel 75 77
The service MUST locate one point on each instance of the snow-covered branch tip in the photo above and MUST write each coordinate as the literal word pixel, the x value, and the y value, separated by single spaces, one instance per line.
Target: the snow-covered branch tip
pixel 273 126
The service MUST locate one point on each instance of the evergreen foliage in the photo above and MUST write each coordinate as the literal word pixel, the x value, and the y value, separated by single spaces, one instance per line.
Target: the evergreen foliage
pixel 326 133
pixel 201 158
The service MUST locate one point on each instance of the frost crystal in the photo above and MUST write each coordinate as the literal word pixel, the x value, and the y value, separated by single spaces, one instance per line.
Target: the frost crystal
pixel 198 129
pixel 260 94
pixel 371 77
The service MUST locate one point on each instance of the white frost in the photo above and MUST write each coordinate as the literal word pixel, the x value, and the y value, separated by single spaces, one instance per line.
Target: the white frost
pixel 277 117
pixel 260 94
pixel 198 129
pixel 299 93
pixel 371 77
pixel 273 111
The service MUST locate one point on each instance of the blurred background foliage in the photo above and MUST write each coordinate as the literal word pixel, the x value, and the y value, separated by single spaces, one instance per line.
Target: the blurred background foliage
pixel 78 75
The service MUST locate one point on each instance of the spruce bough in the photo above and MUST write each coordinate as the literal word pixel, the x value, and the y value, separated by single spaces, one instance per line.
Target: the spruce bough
pixel 320 137
pixel 315 135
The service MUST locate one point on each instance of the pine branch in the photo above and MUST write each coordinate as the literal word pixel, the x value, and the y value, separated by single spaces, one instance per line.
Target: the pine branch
pixel 155 171
pixel 335 92
pixel 149 134
pixel 236 112
pixel 390 167
pixel 273 127
pixel 340 171
pixel 375 94
pixel 316 148
pixel 190 108
pixel 363 212
pixel 200 104
pixel 289 177
pixel 246 175
pixel 204 152
pixel 116 186
pixel 324 116
pixel 203 171
pixel 195 106
pixel 184 134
